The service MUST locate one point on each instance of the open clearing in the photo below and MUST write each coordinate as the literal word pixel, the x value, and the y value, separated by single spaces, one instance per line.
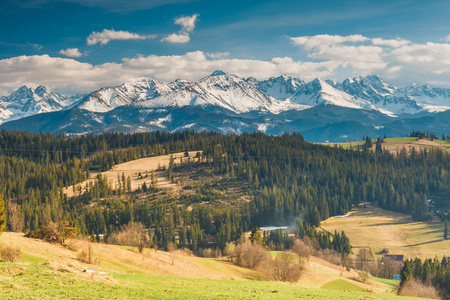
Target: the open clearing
pixel 52 271
pixel 133 168
pixel 395 145
pixel 377 228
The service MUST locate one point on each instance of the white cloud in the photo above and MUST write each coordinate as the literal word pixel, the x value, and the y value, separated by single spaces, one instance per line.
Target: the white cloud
pixel 187 26
pixel 394 58
pixel 70 76
pixel 394 43
pixel 71 52
pixel 187 23
pixel 176 38
pixel 447 38
pixel 318 41
pixel 410 62
pixel 107 35
pixel 218 54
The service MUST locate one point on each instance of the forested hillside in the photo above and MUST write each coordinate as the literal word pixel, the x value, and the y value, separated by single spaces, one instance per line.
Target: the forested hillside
pixel 284 179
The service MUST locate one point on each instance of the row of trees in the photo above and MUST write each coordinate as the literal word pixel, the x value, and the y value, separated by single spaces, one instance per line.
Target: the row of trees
pixel 433 272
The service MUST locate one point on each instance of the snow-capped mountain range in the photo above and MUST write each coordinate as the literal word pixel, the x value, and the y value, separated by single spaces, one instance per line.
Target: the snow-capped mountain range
pixel 232 94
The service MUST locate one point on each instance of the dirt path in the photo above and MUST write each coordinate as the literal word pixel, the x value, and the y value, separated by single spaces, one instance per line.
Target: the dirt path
pixel 132 169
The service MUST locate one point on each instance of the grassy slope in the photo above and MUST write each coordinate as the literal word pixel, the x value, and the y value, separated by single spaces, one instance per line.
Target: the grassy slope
pixel 396 144
pixel 378 229
pixel 52 271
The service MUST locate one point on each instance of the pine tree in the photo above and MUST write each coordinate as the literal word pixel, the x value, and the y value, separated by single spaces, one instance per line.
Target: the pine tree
pixel 2 216
pixel 446 229
pixel 406 273
pixel 256 236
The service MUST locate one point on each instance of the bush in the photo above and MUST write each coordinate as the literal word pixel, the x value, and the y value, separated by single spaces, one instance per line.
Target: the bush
pixel 414 288
pixel 86 255
pixel 229 249
pixel 133 234
pixel 10 254
pixel 330 255
pixel 252 256
pixel 286 267
pixel 210 252
pixel 363 276
pixel 300 248
pixel 54 232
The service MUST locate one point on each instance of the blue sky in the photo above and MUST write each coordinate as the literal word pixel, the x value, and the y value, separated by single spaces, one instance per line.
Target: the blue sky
pixel 80 45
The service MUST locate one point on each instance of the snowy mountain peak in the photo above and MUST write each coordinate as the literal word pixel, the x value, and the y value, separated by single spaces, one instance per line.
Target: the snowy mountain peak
pixel 25 102
pixel 281 87
pixel 218 73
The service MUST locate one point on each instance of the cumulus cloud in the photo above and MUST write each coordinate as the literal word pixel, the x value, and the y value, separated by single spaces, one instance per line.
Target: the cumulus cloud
pixel 318 41
pixel 187 26
pixel 107 35
pixel 394 43
pixel 176 38
pixel 70 76
pixel 187 23
pixel 393 58
pixel 71 52
pixel 403 62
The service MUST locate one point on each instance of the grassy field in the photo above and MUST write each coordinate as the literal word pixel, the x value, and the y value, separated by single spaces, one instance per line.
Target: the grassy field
pixel 36 281
pixel 342 285
pixel 133 168
pixel 395 145
pixel 377 228
pixel 49 271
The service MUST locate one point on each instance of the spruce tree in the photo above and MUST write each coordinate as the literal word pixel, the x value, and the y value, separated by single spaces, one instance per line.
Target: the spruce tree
pixel 2 215
pixel 256 236
pixel 446 229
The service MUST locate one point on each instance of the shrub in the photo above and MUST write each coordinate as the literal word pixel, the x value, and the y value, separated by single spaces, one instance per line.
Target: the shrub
pixel 414 288
pixel 133 234
pixel 229 249
pixel 86 255
pixel 363 276
pixel 300 248
pixel 10 254
pixel 252 256
pixel 330 255
pixel 286 267
pixel 54 232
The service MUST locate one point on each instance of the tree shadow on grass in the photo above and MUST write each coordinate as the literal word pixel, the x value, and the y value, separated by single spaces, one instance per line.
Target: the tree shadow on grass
pixel 424 243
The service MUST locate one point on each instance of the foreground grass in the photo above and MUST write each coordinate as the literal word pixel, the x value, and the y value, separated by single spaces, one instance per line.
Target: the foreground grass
pixel 40 281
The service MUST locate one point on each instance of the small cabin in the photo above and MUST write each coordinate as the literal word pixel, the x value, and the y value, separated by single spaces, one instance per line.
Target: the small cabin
pixel 395 259
pixel 396 277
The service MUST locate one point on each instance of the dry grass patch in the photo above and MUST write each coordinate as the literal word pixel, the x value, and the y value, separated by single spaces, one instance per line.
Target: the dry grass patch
pixel 10 253
pixel 133 168
pixel 378 229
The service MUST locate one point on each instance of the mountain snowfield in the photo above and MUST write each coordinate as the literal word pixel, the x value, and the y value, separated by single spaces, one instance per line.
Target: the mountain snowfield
pixel 236 94
pixel 273 95
pixel 231 104
pixel 26 102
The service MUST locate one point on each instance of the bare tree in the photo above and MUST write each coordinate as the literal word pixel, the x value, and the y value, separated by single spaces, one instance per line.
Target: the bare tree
pixel 300 248
pixel 134 234
pixel 364 256
pixel 16 217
